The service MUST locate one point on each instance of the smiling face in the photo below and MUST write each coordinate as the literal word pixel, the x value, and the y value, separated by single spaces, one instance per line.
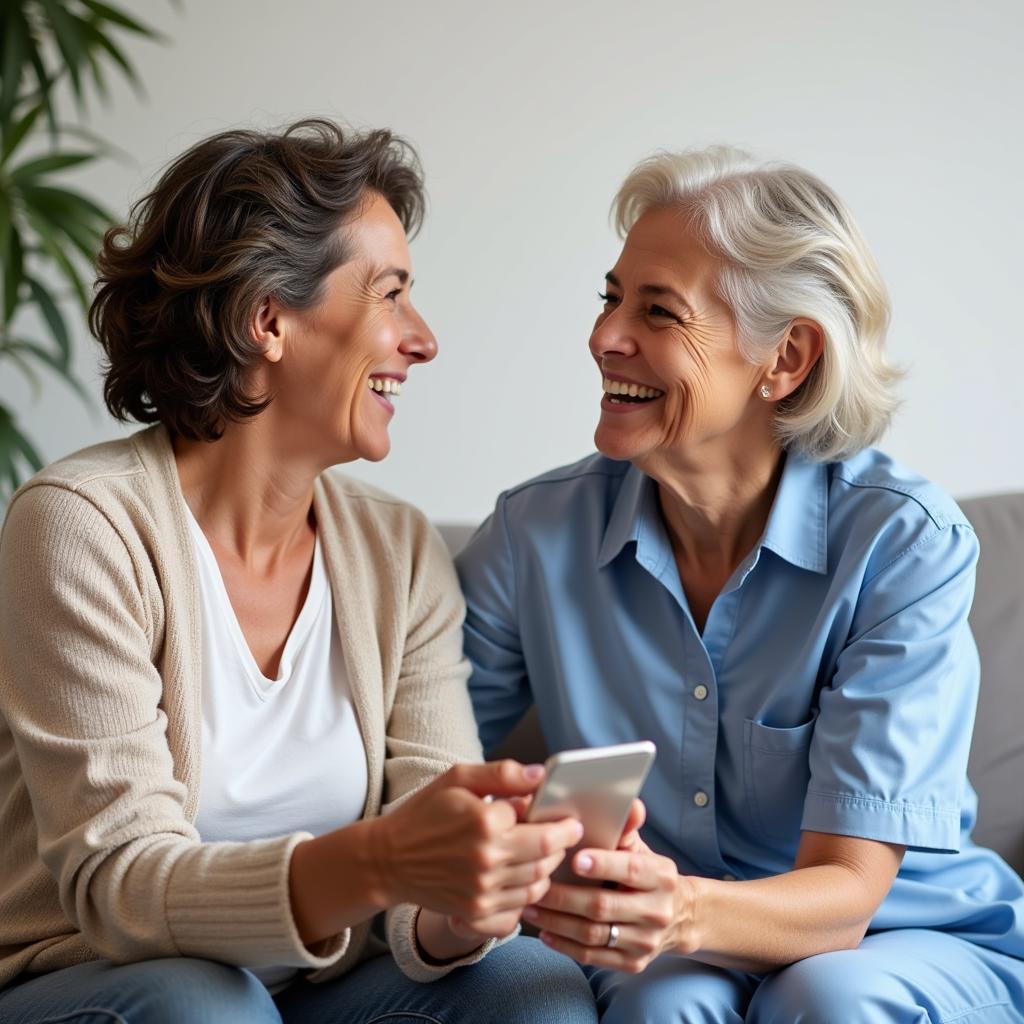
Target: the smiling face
pixel 338 367
pixel 676 385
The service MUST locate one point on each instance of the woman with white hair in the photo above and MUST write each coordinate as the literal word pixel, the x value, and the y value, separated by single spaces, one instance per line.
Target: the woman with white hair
pixel 738 576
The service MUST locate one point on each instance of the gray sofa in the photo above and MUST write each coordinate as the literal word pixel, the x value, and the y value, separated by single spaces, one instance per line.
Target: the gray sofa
pixel 996 766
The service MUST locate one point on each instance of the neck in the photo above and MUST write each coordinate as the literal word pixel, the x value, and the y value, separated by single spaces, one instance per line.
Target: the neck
pixel 250 491
pixel 716 503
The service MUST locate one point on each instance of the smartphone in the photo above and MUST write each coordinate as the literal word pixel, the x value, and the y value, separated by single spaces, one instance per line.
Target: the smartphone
pixel 597 786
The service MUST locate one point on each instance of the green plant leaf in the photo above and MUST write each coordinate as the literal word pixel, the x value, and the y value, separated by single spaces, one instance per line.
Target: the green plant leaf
pixel 70 214
pixel 20 347
pixel 53 316
pixel 47 165
pixel 15 54
pixel 26 448
pixel 68 36
pixel 117 55
pixel 45 83
pixel 15 134
pixel 9 476
pixel 65 374
pixel 101 147
pixel 19 360
pixel 65 202
pixel 13 266
pixel 51 245
pixel 14 445
pixel 98 78
pixel 68 220
pixel 119 18
pixel 6 225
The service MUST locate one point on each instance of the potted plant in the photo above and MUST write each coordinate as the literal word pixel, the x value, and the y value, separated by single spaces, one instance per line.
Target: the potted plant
pixel 49 233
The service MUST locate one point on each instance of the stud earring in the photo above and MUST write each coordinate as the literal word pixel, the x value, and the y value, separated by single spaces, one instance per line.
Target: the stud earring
pixel 766 391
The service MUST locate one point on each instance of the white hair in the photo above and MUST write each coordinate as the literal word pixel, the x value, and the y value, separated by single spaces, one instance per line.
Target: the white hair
pixel 790 249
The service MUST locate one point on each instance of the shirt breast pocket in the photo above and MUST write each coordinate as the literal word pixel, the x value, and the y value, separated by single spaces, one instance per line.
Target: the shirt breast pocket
pixel 777 771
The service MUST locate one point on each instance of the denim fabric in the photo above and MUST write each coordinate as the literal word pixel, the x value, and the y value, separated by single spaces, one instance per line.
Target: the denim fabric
pixel 522 982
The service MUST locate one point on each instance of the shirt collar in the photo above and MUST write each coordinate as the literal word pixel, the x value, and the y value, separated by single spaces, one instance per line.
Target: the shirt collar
pixel 797 528
pixel 634 515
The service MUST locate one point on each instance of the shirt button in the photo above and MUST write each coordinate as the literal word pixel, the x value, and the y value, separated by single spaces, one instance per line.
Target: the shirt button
pixel 700 691
pixel 700 798
pixel 728 878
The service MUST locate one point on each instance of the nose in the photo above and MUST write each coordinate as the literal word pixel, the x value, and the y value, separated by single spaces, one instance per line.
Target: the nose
pixel 418 341
pixel 611 336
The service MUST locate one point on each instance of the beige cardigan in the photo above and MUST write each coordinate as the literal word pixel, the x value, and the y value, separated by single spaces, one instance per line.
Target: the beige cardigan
pixel 100 717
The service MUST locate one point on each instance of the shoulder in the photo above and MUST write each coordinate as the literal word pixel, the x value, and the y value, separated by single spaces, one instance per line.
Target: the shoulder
pixel 99 464
pixel 365 502
pixel 594 471
pixel 873 476
pixel 83 532
pixel 382 525
pixel 549 520
pixel 580 488
pixel 876 502
pixel 109 481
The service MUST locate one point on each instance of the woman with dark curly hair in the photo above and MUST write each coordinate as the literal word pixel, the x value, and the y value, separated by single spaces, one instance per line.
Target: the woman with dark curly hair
pixel 233 719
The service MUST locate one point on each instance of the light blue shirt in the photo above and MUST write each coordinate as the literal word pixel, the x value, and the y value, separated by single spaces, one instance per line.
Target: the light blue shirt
pixel 832 689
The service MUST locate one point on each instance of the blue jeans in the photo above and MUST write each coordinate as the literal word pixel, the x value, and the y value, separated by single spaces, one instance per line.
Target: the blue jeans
pixel 522 982
pixel 909 976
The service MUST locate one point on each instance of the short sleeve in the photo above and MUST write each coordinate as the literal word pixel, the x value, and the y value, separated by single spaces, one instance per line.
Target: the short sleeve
pixel 889 755
pixel 499 686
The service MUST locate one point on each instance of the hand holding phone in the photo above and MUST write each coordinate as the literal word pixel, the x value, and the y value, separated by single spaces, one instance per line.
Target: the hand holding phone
pixel 596 786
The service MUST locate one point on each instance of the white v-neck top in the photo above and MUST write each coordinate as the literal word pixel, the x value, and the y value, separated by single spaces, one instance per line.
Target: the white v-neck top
pixel 279 755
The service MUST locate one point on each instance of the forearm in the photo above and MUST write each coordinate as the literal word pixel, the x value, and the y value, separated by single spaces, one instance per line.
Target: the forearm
pixel 760 926
pixel 439 942
pixel 337 880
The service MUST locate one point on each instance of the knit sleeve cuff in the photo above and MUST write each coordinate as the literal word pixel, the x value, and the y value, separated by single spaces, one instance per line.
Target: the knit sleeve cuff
pixel 401 931
pixel 231 902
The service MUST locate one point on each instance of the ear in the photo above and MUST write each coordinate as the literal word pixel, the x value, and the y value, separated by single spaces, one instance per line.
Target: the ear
pixel 267 330
pixel 794 358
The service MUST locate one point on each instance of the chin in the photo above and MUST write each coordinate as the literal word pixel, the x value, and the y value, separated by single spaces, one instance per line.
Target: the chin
pixel 618 445
pixel 375 450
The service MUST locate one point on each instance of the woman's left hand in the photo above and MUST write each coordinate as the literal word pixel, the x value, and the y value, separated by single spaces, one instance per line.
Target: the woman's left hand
pixel 652 907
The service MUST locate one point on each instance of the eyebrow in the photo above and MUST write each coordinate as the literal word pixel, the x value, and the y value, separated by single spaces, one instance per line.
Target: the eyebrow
pixel 652 289
pixel 402 275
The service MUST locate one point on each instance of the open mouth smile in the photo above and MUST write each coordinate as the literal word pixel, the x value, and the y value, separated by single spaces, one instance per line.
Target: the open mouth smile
pixel 384 390
pixel 385 386
pixel 620 392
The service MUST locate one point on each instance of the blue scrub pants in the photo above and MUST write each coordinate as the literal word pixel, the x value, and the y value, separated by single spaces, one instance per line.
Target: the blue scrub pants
pixel 909 976
pixel 521 982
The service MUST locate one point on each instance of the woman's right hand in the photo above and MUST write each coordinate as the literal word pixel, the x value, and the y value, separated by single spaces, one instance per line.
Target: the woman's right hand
pixel 450 849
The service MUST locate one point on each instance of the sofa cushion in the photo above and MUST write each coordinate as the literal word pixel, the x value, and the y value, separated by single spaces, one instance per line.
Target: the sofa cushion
pixel 997 754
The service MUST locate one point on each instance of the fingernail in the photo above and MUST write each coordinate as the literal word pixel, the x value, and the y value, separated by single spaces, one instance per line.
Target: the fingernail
pixel 584 862
pixel 545 937
pixel 578 825
pixel 533 771
pixel 530 914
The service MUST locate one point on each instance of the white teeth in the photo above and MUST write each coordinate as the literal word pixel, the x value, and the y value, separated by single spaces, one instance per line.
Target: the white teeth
pixel 615 387
pixel 385 386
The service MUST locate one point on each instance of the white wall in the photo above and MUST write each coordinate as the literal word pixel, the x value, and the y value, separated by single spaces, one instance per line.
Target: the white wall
pixel 528 115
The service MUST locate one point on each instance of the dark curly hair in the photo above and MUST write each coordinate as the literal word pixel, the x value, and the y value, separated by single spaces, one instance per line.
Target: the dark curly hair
pixel 239 216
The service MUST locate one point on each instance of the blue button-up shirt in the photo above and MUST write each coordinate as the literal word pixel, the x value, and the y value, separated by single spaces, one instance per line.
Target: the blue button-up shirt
pixel 832 688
